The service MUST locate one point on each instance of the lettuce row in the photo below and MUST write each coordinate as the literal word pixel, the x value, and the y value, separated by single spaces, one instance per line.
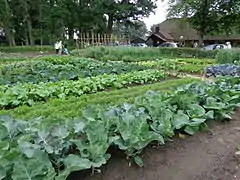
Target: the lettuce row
pixel 27 94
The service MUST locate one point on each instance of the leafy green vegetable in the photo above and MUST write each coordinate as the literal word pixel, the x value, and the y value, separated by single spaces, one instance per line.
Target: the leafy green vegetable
pixel 180 120
pixel 196 111
pixel 38 167
pixel 134 130
pixel 35 150
pixel 21 94
pixel 194 126
pixel 49 69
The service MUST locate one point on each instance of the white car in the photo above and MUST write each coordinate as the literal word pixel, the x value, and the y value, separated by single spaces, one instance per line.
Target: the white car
pixel 169 44
pixel 215 46
pixel 140 45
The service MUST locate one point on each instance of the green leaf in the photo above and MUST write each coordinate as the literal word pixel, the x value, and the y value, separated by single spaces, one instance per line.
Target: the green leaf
pixel 3 132
pixel 2 172
pixel 180 120
pixel 209 115
pixel 38 167
pixel 226 116
pixel 196 111
pixel 138 161
pixel 76 163
pixel 120 144
pixel 60 132
pixel 73 163
pixel 28 149
pixel 78 127
pixel 4 146
pixel 100 161
pixel 194 126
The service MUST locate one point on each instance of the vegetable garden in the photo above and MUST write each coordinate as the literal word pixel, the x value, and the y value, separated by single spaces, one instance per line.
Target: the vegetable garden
pixel 60 115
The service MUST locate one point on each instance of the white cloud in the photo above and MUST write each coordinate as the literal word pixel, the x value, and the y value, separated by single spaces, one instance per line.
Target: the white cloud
pixel 159 16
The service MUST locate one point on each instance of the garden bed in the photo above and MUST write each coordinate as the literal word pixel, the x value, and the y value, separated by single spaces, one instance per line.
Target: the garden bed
pixel 209 155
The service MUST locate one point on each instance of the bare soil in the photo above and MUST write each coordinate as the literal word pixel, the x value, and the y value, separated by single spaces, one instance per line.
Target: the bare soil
pixel 208 155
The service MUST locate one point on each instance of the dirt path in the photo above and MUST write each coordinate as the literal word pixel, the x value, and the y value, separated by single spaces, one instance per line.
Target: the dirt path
pixel 208 155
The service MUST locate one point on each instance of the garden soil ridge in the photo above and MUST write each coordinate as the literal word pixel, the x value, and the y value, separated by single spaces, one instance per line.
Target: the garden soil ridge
pixel 208 155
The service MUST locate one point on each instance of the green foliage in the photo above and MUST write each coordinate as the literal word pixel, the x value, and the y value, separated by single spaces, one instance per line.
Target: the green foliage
pixel 43 22
pixel 132 54
pixel 70 108
pixel 226 56
pixel 20 94
pixel 134 30
pixel 188 65
pixel 22 49
pixel 52 69
pixel 36 150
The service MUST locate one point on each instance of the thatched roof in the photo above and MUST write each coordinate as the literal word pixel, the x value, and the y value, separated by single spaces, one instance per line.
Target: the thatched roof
pixel 179 27
pixel 161 35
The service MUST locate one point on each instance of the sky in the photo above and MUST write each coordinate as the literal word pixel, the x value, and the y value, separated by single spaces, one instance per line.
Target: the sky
pixel 159 16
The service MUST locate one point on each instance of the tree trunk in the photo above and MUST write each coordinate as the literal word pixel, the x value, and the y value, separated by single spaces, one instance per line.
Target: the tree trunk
pixel 41 38
pixel 110 24
pixel 29 24
pixel 7 25
pixel 26 39
pixel 13 40
pixel 9 37
pixel 70 31
pixel 40 21
pixel 201 39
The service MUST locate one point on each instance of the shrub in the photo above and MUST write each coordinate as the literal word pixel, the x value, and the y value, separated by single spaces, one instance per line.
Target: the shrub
pixel 140 54
pixel 21 49
pixel 226 56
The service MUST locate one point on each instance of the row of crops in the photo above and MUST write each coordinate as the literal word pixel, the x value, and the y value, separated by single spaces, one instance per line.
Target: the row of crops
pixel 34 150
pixel 28 82
pixel 184 65
pixel 20 94
pixel 71 113
pixel 53 70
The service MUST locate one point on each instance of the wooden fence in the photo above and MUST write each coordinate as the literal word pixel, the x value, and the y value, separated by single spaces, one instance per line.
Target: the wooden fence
pixel 90 39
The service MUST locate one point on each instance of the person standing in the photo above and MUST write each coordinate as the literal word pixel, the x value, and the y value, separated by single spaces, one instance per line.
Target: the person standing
pixel 229 46
pixel 60 47
pixel 56 46
pixel 195 45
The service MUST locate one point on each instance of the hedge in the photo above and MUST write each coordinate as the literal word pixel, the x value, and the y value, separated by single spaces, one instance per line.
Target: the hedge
pixel 22 49
pixel 140 54
pixel 226 56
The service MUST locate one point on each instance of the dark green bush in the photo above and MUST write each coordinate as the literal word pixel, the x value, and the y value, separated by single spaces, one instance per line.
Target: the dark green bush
pixel 228 56
pixel 22 49
pixel 140 54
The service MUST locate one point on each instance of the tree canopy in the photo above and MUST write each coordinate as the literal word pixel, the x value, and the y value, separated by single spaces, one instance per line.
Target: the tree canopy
pixel 131 30
pixel 37 21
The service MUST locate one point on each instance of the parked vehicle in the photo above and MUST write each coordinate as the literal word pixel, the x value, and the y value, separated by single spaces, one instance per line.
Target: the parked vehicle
pixel 215 46
pixel 140 45
pixel 168 44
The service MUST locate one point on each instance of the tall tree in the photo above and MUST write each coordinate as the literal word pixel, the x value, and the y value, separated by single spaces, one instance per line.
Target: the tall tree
pixel 125 10
pixel 131 30
pixel 206 16
pixel 6 20
pixel 30 21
